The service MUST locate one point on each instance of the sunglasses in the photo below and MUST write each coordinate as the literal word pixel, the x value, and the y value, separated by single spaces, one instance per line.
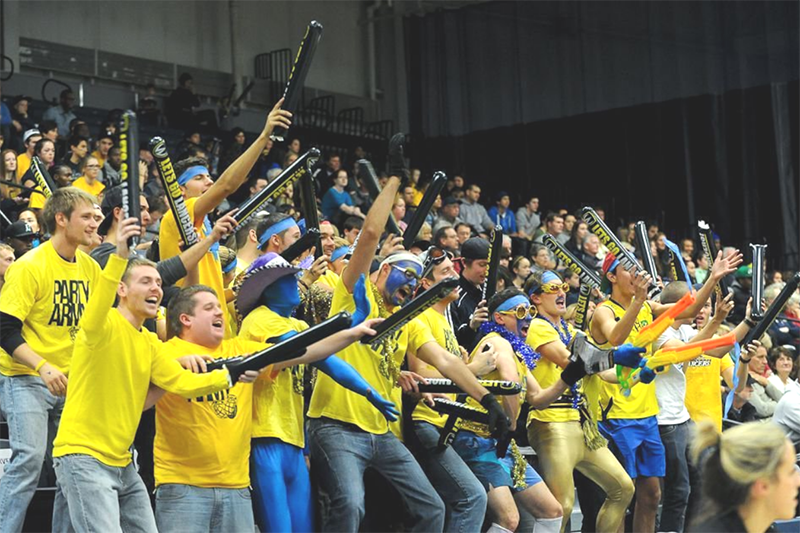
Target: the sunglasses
pixel 409 273
pixel 436 256
pixel 553 287
pixel 521 312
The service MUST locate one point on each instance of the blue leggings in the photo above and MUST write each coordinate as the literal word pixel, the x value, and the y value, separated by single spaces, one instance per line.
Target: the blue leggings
pixel 281 487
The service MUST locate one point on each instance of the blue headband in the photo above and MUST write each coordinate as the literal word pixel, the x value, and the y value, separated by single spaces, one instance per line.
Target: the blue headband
pixel 190 173
pixel 276 228
pixel 339 252
pixel 513 303
pixel 547 277
pixel 230 266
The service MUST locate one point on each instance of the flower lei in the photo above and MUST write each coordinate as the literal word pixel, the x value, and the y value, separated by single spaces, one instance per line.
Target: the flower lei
pixel 528 354
pixel 566 338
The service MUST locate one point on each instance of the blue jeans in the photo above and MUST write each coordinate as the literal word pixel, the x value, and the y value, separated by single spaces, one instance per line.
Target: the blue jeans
pixel 675 496
pixel 340 453
pixel 104 498
pixel 28 407
pixel 187 508
pixel 281 486
pixel 462 493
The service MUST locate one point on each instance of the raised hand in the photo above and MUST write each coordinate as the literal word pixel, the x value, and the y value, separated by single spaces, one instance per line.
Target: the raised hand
pixel 130 227
pixel 479 316
pixel 223 227
pixel 725 307
pixel 725 265
pixel 277 117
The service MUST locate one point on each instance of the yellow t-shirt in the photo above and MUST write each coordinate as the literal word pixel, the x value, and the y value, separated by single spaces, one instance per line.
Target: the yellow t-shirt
pixel 642 401
pixel 446 338
pixel 205 441
pixel 209 269
pixel 100 159
pixel 331 400
pixel 278 402
pixel 23 164
pixel 547 373
pixel 329 279
pixel 112 368
pixel 703 397
pixel 37 199
pixel 48 294
pixel 482 430
pixel 94 189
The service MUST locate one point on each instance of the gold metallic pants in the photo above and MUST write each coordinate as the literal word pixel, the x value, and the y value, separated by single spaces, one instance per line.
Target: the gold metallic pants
pixel 561 449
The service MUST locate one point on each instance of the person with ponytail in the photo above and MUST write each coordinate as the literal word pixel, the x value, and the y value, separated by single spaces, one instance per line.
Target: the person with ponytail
pixel 749 478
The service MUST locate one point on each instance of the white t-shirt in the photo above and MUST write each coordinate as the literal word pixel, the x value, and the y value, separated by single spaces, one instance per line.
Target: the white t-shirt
pixel 671 385
pixel 790 384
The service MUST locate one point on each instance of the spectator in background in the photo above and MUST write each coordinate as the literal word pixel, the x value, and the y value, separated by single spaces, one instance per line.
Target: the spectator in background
pixel 62 114
pixel 20 120
pixel 741 292
pixel 765 395
pixel 337 203
pixel 741 409
pixel 652 231
pixel 45 150
pixel 49 130
pixel 589 252
pixel 5 123
pixel 12 199
pixel 541 259
pixel 449 215
pixel 62 175
pixel 30 218
pixel 20 237
pixel 521 269
pixel 351 228
pixel 89 181
pixel 104 143
pixel 446 239
pixel 528 219
pixel 190 143
pixel 782 364
pixel 78 148
pixel 701 267
pixel 553 225
pixel 463 232
pixel 29 139
pixel 566 233
pixel 149 114
pixel 181 105
pixel 235 149
pixel 502 216
pixel 579 232
pixel 687 249
pixel 399 212
pixel 324 175
pixel 474 213
pixel 110 172
pixel 783 330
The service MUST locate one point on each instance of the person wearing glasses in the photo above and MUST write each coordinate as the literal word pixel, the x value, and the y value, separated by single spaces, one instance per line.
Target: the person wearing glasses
pixel 89 182
pixel 463 495
pixel 345 432
pixel 565 434
pixel 510 481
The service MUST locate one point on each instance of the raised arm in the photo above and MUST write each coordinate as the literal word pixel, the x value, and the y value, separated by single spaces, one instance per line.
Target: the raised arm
pixel 236 174
pixel 370 234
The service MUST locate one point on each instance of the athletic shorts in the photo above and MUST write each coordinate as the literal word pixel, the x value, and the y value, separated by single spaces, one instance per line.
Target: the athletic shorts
pixel 480 454
pixel 639 443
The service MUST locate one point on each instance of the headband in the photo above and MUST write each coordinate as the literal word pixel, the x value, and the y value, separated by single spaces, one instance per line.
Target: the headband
pixel 401 256
pixel 548 276
pixel 339 252
pixel 513 303
pixel 190 173
pixel 276 228
pixel 230 266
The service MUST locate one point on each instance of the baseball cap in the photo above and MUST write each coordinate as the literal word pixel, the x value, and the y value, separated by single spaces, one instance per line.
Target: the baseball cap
pixel 19 230
pixel 475 248
pixel 19 98
pixel 449 200
pixel 610 264
pixel 30 133
pixel 744 271
pixel 111 199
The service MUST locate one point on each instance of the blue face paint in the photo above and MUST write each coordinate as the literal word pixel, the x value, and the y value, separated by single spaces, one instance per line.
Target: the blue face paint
pixel 398 288
pixel 282 296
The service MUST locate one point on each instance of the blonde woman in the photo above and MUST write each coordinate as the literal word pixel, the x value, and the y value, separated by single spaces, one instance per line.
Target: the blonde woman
pixel 749 478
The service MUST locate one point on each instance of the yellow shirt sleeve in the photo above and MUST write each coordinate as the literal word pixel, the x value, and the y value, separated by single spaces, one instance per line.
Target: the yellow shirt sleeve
pixel 541 333
pixel 724 363
pixel 102 299
pixel 167 373
pixel 19 291
pixel 419 334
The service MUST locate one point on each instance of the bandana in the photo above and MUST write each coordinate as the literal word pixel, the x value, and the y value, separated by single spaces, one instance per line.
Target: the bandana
pixel 190 173
pixel 276 228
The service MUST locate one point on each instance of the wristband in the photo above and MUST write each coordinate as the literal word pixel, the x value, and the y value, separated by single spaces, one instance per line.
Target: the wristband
pixel 39 365
pixel 743 360
pixel 749 321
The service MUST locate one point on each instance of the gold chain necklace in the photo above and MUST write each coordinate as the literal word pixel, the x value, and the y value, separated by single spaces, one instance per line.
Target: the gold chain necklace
pixel 388 367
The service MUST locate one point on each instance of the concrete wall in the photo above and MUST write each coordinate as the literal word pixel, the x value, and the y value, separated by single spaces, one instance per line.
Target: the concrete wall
pixel 197 33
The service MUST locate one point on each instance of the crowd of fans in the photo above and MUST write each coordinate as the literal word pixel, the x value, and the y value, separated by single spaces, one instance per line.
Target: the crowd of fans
pixel 455 235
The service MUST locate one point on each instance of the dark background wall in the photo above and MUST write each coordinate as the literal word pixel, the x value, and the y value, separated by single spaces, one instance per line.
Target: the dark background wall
pixel 671 111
